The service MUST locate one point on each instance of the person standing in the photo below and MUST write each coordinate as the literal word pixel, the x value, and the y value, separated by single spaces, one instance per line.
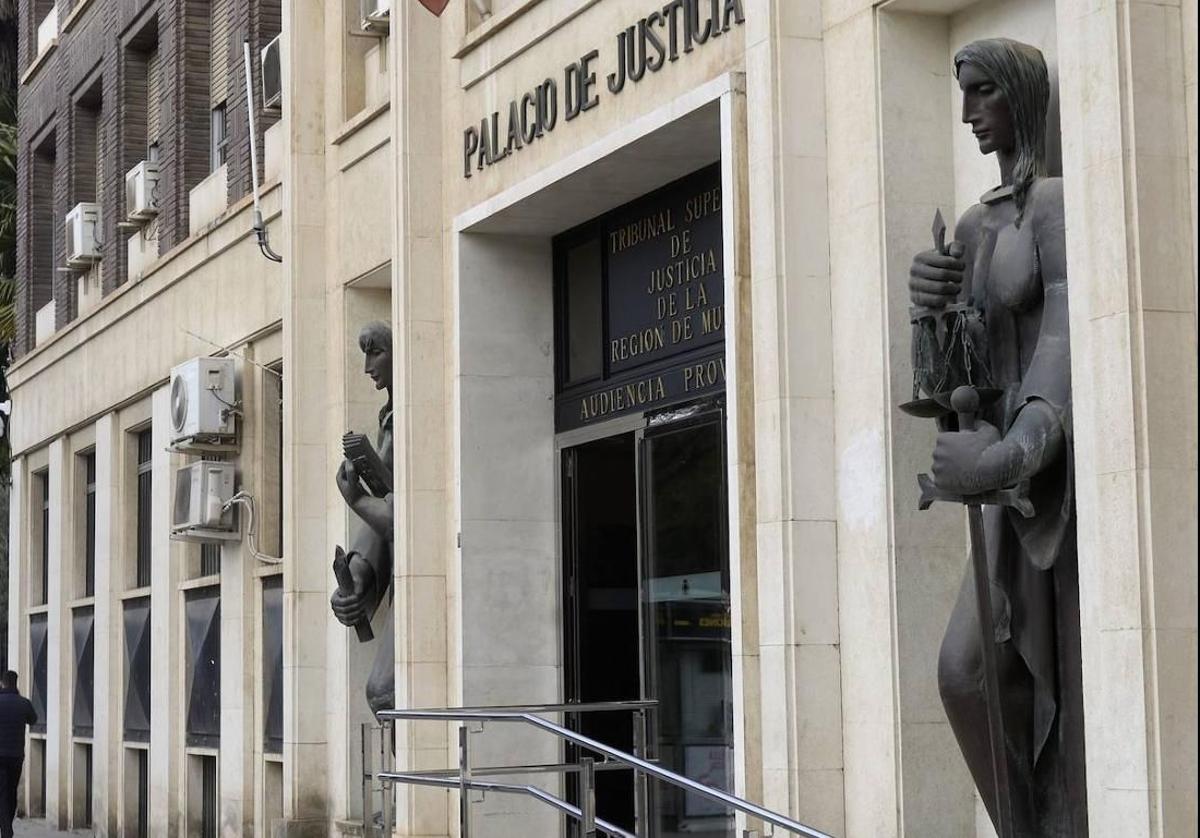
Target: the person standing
pixel 15 713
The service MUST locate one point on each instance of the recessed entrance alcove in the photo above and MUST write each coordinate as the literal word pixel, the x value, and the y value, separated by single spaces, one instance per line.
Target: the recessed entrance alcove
pixel 509 637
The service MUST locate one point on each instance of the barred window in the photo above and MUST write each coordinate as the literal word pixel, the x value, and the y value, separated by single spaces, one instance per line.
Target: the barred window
pixel 40 555
pixel 145 482
pixel 89 525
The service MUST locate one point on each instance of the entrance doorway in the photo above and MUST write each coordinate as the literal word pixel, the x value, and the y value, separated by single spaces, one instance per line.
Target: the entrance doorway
pixel 648 609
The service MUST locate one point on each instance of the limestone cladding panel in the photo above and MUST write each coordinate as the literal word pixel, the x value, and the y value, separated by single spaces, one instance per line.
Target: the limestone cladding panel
pixel 364 224
pixel 521 56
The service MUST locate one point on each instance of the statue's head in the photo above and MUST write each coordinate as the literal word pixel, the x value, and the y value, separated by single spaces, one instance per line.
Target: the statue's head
pixel 1006 93
pixel 375 340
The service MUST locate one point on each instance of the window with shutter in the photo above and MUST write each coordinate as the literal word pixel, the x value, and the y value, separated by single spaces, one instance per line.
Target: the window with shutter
pixel 222 22
pixel 153 92
pixel 98 145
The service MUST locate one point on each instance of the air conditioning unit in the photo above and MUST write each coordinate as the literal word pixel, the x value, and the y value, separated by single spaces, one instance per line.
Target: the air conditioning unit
pixel 204 405
pixel 202 491
pixel 376 16
pixel 272 82
pixel 141 191
pixel 83 243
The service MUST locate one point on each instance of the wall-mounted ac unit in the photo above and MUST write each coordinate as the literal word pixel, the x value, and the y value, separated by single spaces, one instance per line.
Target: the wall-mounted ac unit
pixel 83 245
pixel 202 491
pixel 272 81
pixel 141 191
pixel 376 16
pixel 204 405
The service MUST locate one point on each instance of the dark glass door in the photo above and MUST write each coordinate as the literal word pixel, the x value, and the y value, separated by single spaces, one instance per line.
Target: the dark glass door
pixel 648 611
pixel 600 482
pixel 687 646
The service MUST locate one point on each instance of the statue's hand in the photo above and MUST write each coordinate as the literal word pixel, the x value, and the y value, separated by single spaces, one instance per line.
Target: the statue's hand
pixel 935 278
pixel 971 462
pixel 352 607
pixel 347 483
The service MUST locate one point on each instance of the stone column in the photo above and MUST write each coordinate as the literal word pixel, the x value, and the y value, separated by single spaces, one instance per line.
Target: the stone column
pixel 18 590
pixel 1130 242
pixel 422 418
pixel 167 701
pixel 799 636
pixel 860 368
pixel 239 652
pixel 59 659
pixel 740 442
pixel 306 431
pixel 109 648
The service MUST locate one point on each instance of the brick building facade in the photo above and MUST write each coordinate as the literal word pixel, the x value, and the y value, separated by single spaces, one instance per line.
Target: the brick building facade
pixel 85 103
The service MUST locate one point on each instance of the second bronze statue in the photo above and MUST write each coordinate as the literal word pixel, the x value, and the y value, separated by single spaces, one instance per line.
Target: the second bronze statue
pixel 365 570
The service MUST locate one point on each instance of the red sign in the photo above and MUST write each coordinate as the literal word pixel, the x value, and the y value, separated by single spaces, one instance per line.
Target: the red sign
pixel 435 6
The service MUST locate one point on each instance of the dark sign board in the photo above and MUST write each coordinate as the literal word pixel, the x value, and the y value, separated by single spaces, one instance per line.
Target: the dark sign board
pixel 662 318
pixel 666 277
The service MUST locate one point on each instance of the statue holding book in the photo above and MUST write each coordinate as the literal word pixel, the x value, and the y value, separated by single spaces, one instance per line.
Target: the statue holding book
pixel 364 572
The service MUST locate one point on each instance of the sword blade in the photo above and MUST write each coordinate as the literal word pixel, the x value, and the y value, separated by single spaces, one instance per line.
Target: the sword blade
pixel 991 673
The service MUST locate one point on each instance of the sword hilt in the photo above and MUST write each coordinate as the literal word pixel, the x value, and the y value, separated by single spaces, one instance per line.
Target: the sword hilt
pixel 965 401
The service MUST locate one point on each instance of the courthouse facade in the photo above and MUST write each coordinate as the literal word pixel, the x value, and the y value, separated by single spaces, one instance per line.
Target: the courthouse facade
pixel 646 271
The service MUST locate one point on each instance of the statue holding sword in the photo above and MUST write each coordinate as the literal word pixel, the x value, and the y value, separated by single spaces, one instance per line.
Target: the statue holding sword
pixel 992 364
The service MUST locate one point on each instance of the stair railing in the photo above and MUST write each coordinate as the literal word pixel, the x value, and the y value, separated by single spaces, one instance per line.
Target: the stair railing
pixel 465 780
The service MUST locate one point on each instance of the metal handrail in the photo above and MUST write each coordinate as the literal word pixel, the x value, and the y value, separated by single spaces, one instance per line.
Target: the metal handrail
pixel 505 788
pixel 649 768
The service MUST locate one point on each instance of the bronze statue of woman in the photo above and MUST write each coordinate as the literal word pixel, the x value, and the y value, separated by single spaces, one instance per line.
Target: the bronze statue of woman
pixel 369 559
pixel 1009 258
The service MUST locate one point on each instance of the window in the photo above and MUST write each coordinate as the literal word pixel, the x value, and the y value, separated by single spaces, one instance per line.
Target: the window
pixel 44 28
pixel 581 292
pixel 202 613
pixel 87 157
pixel 142 799
pixel 202 796
pixel 38 662
pixel 45 232
pixel 271 510
pixel 82 785
pixel 83 631
pixel 218 80
pixel 272 663
pixel 41 574
pixel 137 669
pixel 210 558
pixel 220 138
pixel 89 524
pixel 208 795
pixel 145 481
pixel 153 102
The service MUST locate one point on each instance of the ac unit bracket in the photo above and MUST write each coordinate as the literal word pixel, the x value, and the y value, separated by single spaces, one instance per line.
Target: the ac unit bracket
pixel 205 445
